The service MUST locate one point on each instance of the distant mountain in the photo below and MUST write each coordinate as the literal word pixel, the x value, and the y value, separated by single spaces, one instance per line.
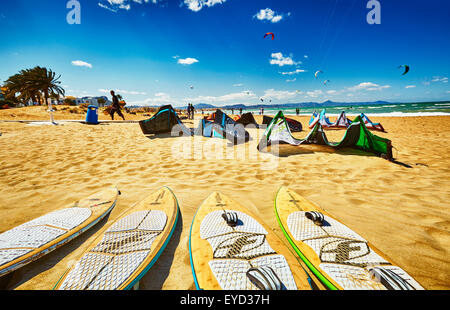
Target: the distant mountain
pixel 203 106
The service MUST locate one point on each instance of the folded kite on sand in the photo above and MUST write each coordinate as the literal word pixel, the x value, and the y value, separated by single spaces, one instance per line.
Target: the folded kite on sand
pixel 222 126
pixel 246 119
pixel 357 136
pixel 341 122
pixel 165 120
pixel 371 125
pixel 294 126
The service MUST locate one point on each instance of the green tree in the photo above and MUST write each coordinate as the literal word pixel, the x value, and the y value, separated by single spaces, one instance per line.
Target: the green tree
pixel 33 84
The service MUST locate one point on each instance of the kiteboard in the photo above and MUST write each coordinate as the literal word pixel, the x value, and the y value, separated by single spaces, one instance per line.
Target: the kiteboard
pixel 232 249
pixel 126 249
pixel 337 255
pixel 36 238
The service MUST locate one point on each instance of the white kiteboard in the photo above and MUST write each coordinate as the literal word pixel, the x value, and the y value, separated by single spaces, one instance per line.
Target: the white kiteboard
pixel 36 238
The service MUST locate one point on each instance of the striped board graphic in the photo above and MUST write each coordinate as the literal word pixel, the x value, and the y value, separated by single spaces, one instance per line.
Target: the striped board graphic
pixel 126 249
pixel 36 238
pixel 337 255
pixel 229 255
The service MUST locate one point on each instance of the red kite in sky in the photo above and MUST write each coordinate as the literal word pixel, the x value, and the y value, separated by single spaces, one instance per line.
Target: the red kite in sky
pixel 269 33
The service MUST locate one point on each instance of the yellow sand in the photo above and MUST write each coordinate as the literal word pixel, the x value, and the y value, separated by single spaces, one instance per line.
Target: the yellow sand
pixel 403 211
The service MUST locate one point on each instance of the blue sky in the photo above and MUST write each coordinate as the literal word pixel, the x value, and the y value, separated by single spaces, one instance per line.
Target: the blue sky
pixel 153 51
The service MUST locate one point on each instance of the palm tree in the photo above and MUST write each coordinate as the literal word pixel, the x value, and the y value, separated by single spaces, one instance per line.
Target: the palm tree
pixel 33 83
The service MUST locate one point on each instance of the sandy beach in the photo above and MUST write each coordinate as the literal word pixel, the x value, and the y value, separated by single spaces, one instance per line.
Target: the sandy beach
pixel 403 211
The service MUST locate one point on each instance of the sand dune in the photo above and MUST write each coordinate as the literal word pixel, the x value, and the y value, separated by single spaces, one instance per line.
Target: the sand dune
pixel 403 211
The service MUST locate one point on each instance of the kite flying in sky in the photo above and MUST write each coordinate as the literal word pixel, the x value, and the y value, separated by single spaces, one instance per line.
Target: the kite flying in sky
pixel 406 68
pixel 269 33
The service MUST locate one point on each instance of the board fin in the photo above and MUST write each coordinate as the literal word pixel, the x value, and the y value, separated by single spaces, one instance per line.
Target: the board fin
pixel 316 217
pixel 390 279
pixel 265 278
pixel 231 218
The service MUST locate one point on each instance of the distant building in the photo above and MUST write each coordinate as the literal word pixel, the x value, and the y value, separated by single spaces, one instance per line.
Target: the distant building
pixel 100 101
pixel 2 93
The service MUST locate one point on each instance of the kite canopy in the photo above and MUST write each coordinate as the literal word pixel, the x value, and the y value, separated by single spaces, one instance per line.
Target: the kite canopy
pixel 247 119
pixel 406 68
pixel 317 73
pixel 165 120
pixel 341 122
pixel 294 125
pixel 222 126
pixel 326 82
pixel 371 125
pixel 357 136
pixel 319 118
pixel 269 34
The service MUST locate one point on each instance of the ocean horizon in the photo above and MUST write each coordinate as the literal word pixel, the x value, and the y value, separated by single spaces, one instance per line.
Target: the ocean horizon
pixel 382 110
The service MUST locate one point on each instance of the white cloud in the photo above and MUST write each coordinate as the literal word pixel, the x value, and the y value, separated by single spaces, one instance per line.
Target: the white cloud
pixel 314 94
pixel 440 79
pixel 293 80
pixel 279 94
pixel 106 7
pixel 331 92
pixel 410 86
pixel 244 95
pixel 115 5
pixel 122 91
pixel 197 5
pixel 293 72
pixel 238 85
pixel 187 61
pixel 80 63
pixel 367 86
pixel 269 15
pixel 280 60
pixel 157 99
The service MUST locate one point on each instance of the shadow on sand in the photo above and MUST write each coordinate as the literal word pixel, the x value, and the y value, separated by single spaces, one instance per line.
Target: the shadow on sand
pixel 154 279
pixel 286 150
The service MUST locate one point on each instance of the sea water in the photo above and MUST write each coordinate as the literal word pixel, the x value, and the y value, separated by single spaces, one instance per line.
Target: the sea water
pixel 388 109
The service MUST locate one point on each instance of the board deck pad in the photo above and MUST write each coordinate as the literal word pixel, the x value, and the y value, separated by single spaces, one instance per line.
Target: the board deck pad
pixel 31 240
pixel 334 252
pixel 229 252
pixel 122 253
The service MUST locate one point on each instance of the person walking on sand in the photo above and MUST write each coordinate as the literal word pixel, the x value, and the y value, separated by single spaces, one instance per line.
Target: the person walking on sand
pixel 115 106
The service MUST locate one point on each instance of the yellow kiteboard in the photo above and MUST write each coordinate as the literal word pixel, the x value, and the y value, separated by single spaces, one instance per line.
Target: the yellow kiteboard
pixel 36 238
pixel 337 255
pixel 232 249
pixel 127 248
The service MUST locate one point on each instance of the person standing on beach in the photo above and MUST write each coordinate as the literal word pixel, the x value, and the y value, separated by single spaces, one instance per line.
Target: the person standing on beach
pixel 189 110
pixel 192 111
pixel 115 106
